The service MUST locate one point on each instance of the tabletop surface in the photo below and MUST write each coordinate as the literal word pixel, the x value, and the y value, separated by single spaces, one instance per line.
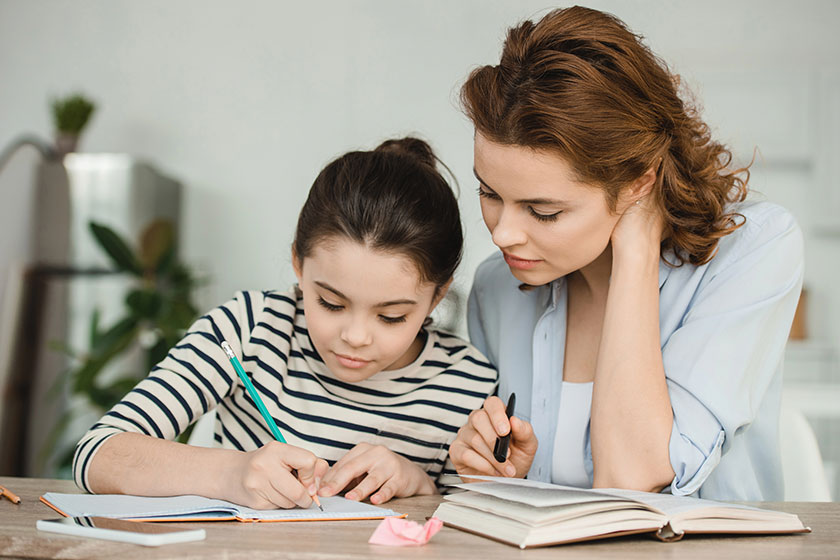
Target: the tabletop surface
pixel 348 539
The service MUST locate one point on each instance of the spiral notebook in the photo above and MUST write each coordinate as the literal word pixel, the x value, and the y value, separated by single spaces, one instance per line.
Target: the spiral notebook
pixel 198 508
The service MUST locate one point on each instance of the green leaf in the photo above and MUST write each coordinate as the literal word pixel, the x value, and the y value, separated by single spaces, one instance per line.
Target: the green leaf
pixel 62 348
pixel 145 304
pixel 121 254
pixel 184 436
pixel 94 327
pixel 157 244
pixel 114 336
pixel 111 343
pixel 158 352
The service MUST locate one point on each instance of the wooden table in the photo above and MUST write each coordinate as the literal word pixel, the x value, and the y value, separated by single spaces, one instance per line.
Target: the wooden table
pixel 348 539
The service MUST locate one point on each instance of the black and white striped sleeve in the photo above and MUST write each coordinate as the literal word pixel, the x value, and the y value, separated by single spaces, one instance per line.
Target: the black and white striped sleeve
pixel 192 379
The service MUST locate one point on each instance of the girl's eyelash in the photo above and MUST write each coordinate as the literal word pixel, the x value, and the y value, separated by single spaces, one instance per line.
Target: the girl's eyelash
pixel 384 318
pixel 329 306
pixel 544 217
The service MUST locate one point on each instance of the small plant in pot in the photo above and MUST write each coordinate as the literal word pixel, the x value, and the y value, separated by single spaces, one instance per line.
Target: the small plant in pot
pixel 70 116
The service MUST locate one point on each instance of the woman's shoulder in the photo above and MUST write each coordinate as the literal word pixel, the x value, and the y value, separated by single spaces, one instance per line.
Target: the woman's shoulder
pixel 766 227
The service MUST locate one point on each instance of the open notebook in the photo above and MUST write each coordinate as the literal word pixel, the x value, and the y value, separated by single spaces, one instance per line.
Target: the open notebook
pixel 197 508
pixel 526 513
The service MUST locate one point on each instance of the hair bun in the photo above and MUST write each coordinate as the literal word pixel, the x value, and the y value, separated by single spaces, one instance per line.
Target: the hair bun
pixel 411 147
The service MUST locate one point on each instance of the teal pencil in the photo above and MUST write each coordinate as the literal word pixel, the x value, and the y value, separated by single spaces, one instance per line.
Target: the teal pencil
pixel 272 425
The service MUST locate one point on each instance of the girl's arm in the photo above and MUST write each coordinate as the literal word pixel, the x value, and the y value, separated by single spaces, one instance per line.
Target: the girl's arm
pixel 131 463
pixel 129 449
pixel 631 411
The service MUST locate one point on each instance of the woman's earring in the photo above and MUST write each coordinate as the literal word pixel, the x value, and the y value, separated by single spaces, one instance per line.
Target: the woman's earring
pixel 638 201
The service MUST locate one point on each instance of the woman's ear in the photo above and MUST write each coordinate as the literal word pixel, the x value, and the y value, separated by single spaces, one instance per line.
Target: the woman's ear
pixel 639 189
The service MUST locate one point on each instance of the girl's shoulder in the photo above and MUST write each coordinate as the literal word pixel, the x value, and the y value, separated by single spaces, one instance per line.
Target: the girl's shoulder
pixel 249 308
pixel 450 352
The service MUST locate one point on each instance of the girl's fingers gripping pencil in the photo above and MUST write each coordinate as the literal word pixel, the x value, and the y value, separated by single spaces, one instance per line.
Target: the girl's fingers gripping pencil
pixel 240 371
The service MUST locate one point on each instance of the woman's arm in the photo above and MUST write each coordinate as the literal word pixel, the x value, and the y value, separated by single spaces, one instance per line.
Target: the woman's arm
pixel 631 412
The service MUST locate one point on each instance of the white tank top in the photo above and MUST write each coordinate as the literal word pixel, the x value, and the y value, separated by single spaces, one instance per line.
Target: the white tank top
pixel 567 466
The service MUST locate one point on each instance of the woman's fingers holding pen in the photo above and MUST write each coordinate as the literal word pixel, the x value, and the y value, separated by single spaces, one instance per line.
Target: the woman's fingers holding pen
pixel 471 452
pixel 497 417
pixel 523 446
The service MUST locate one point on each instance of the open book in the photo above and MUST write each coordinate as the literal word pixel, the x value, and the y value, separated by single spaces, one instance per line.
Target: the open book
pixel 197 508
pixel 527 513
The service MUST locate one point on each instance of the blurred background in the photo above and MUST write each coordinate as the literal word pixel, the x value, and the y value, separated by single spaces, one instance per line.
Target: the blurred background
pixel 211 119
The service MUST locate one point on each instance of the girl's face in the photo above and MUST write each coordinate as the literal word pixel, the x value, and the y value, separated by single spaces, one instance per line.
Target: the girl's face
pixel 546 223
pixel 364 308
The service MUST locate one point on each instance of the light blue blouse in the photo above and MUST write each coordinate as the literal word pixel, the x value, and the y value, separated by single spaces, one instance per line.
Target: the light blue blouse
pixel 723 328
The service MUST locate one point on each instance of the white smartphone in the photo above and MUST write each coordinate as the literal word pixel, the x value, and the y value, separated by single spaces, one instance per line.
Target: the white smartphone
pixel 137 532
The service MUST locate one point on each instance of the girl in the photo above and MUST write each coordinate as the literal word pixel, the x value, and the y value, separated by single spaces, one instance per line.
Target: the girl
pixel 344 361
pixel 639 307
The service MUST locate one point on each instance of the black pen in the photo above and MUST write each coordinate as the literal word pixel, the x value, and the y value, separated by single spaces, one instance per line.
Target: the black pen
pixel 501 449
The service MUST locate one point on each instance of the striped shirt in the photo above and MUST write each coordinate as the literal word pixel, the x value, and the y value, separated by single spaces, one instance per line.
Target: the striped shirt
pixel 415 411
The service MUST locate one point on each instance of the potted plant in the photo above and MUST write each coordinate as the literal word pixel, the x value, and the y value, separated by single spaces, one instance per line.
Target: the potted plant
pixel 70 116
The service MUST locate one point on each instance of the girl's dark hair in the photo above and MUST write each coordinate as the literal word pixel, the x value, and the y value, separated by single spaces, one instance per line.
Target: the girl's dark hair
pixel 580 84
pixel 391 199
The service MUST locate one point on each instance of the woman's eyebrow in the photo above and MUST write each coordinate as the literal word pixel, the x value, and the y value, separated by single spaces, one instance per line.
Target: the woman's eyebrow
pixel 533 201
pixel 329 288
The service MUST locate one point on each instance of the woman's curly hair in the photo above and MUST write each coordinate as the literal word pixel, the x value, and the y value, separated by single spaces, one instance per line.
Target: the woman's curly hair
pixel 580 84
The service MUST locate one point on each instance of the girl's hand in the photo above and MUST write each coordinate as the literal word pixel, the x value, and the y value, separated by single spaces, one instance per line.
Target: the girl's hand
pixel 374 469
pixel 639 230
pixel 277 475
pixel 472 450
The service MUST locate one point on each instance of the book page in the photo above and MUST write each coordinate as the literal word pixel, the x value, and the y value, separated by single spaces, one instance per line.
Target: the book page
pixel 539 494
pixel 568 514
pixel 686 506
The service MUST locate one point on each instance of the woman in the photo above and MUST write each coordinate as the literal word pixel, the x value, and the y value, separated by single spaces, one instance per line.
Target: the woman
pixel 640 306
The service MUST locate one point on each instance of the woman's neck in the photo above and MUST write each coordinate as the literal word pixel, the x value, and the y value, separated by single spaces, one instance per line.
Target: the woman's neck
pixel 593 280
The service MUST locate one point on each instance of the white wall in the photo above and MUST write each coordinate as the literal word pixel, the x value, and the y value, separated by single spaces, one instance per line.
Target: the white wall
pixel 245 101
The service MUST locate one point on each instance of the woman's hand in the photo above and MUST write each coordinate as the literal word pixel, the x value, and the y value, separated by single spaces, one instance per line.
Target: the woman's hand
pixel 277 475
pixel 639 230
pixel 472 450
pixel 374 469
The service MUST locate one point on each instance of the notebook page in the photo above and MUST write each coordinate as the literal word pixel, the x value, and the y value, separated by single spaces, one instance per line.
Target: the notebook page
pixel 335 507
pixel 138 507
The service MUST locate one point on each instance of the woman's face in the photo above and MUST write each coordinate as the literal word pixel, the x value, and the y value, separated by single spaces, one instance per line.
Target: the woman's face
pixel 546 223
